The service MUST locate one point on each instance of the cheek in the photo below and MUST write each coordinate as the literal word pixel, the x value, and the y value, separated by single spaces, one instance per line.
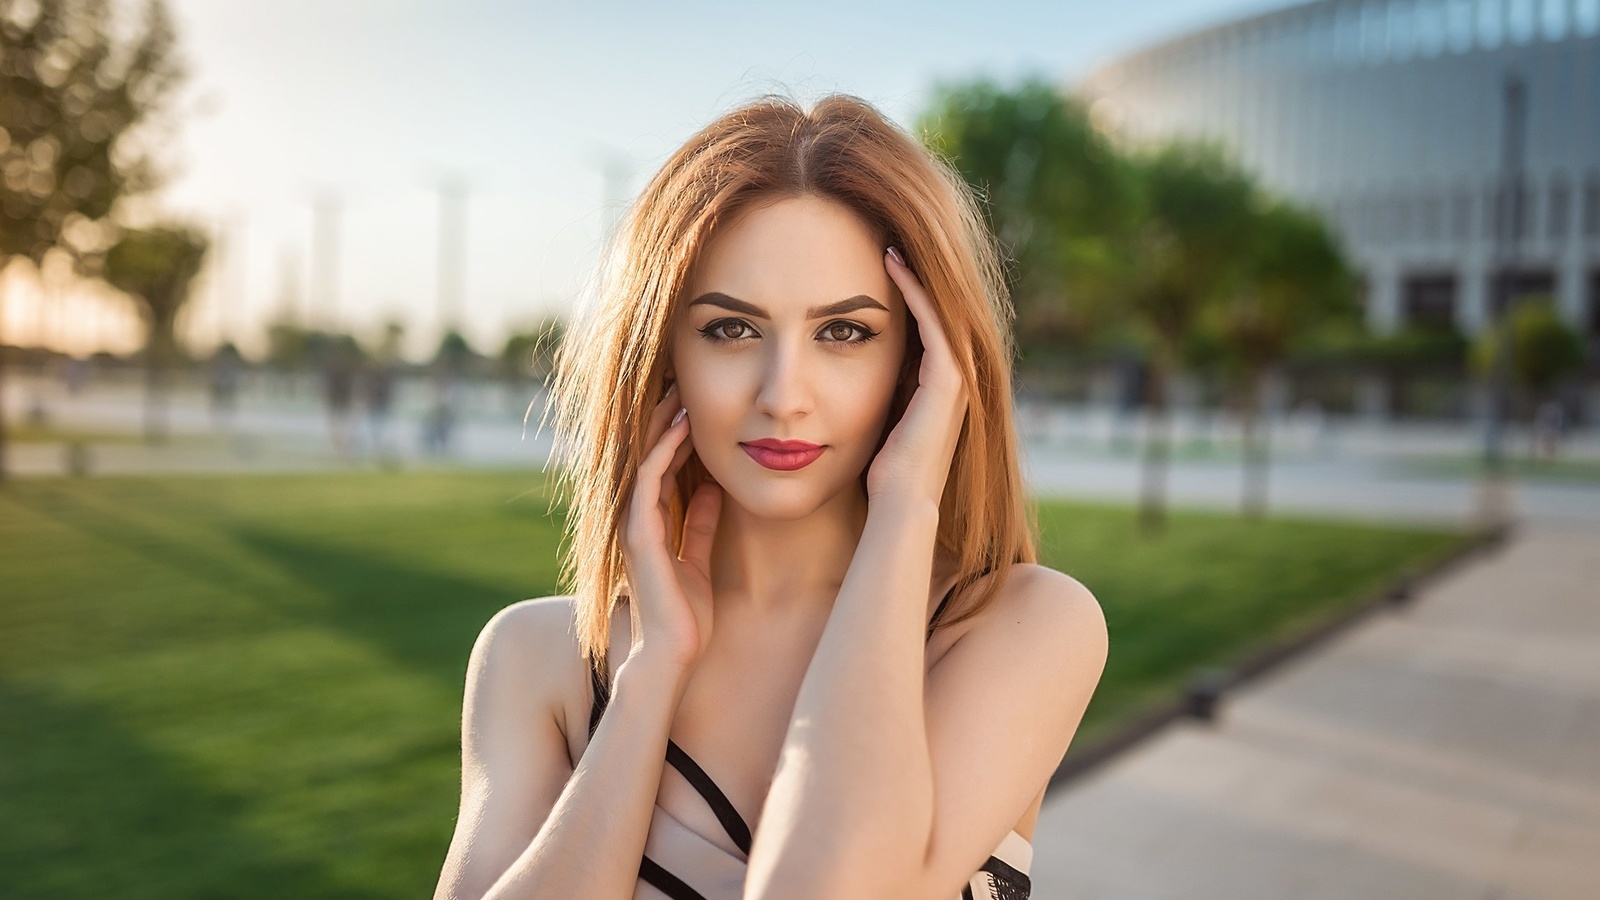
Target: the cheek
pixel 864 401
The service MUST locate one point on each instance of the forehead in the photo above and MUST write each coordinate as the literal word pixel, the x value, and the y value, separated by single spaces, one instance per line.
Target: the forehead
pixel 792 253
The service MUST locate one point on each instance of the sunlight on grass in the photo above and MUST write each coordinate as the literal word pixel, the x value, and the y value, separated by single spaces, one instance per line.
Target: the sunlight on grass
pixel 251 687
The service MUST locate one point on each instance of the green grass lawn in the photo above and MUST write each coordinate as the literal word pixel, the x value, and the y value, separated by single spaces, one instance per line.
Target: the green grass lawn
pixel 24 433
pixel 251 687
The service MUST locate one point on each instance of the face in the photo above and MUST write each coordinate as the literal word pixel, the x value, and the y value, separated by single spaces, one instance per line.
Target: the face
pixel 791 330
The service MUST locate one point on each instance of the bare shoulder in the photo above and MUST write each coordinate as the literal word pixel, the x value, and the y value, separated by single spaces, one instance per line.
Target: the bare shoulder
pixel 1043 585
pixel 1053 602
pixel 531 649
pixel 515 759
pixel 529 629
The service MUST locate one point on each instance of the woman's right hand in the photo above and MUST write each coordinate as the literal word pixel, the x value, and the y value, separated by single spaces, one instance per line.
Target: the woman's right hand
pixel 670 609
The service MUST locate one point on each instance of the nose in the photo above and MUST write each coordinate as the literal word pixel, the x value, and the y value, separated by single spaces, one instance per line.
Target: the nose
pixel 785 384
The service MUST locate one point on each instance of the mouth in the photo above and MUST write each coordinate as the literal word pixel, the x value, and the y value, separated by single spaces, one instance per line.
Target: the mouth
pixel 783 456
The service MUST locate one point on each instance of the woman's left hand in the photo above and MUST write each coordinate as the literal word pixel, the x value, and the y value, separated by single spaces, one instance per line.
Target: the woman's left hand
pixel 915 459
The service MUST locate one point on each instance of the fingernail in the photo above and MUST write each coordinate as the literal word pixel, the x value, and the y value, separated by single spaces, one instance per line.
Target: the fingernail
pixel 895 255
pixel 679 417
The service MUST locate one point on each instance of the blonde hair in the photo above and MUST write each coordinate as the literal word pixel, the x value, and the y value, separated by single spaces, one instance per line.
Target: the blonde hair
pixel 609 369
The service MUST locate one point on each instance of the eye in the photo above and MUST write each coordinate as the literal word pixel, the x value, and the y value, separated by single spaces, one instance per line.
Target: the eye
pixel 833 328
pixel 839 332
pixel 715 330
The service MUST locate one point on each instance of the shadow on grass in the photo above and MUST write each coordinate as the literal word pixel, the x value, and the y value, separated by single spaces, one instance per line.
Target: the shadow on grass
pixel 424 620
pixel 86 810
pixel 421 619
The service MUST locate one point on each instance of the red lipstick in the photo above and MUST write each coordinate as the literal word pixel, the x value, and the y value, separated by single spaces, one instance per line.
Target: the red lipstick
pixel 785 456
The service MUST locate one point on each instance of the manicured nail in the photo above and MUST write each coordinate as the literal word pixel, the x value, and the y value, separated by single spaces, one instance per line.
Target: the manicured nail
pixel 679 417
pixel 895 255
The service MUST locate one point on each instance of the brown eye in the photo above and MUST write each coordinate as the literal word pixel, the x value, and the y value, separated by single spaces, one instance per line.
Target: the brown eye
pixel 840 333
pixel 716 332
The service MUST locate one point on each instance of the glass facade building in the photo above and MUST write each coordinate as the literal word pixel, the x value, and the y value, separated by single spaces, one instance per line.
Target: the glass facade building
pixel 1389 117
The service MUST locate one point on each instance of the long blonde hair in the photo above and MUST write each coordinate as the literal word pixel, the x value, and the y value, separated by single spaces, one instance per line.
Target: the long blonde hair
pixel 609 370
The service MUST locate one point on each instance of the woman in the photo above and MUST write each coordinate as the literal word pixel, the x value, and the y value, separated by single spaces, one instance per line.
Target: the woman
pixel 822 660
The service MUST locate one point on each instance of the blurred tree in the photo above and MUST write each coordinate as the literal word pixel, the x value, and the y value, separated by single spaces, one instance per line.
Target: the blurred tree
pixel 389 347
pixel 454 355
pixel 1055 193
pixel 531 354
pixel 1544 349
pixel 156 267
pixel 1295 285
pixel 288 346
pixel 1193 246
pixel 73 90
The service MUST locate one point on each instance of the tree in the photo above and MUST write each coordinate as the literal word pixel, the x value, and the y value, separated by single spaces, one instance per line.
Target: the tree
pixel 1544 349
pixel 156 267
pixel 71 97
pixel 1193 245
pixel 531 354
pixel 1295 282
pixel 1054 191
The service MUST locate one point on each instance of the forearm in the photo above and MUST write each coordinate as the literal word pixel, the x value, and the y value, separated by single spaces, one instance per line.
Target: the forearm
pixel 854 788
pixel 593 840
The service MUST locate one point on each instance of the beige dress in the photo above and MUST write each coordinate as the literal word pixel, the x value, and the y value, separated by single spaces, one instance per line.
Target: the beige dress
pixel 679 864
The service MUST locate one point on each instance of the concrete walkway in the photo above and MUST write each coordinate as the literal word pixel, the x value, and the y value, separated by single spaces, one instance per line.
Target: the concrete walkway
pixel 1447 749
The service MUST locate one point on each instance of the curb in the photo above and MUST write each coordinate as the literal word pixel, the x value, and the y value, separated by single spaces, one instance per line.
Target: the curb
pixel 1207 687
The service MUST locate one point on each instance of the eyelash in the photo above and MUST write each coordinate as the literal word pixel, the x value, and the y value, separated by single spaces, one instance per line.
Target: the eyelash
pixel 710 332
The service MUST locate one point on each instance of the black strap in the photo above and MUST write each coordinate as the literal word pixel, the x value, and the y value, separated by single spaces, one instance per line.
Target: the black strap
pixel 1009 881
pixel 732 822
pixel 726 812
pixel 601 694
pixel 667 883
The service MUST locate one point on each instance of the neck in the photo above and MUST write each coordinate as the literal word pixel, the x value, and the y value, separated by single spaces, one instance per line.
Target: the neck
pixel 765 566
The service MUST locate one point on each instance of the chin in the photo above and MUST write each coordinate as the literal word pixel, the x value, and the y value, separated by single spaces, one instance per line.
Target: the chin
pixel 780 503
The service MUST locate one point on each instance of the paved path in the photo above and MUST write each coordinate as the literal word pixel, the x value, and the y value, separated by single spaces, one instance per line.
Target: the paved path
pixel 1448 749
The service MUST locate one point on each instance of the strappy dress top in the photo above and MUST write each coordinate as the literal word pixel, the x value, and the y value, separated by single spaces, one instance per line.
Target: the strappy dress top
pixel 679 864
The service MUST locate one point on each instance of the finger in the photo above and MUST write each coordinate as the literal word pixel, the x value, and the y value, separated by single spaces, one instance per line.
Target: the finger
pixel 938 356
pixel 700 526
pixel 682 453
pixel 647 492
pixel 669 478
pixel 661 415
pixel 921 308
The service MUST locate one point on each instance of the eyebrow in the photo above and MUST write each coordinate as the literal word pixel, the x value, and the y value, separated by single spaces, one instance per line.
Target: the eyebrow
pixel 859 301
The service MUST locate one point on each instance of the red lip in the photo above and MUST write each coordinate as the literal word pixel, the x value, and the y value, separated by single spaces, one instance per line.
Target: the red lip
pixel 783 446
pixel 784 456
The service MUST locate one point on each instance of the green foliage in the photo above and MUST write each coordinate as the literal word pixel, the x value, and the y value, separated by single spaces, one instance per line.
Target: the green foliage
pixel 155 267
pixel 1545 348
pixel 1349 343
pixel 454 353
pixel 290 347
pixel 1054 193
pixel 70 93
pixel 1294 283
pixel 1175 242
pixel 531 354
pixel 1196 238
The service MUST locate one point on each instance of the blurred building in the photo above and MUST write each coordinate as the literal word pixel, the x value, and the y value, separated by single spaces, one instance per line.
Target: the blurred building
pixel 1388 116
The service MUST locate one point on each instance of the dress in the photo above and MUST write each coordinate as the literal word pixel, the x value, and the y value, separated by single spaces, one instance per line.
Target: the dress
pixel 719 875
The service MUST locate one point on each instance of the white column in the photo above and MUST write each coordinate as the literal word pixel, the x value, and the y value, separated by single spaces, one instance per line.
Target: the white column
pixel 1472 299
pixel 1383 300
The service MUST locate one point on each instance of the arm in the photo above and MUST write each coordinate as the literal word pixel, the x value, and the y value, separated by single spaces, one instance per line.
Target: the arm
pixel 852 800
pixel 530 825
pixel 1001 707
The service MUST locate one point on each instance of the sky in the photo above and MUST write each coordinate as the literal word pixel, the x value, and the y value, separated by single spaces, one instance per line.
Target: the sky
pixel 373 102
